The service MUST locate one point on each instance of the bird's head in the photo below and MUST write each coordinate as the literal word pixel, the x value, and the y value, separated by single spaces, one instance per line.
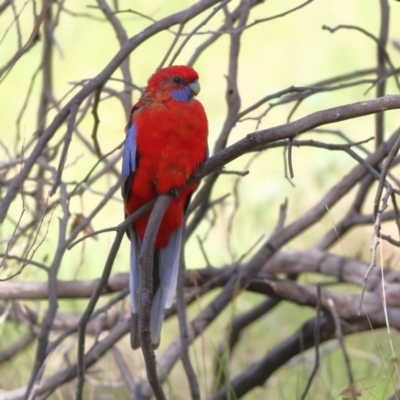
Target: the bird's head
pixel 178 81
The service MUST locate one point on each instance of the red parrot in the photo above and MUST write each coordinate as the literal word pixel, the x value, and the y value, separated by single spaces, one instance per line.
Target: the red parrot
pixel 166 141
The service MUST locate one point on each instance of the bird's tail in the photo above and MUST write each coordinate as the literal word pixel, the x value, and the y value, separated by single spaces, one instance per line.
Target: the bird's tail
pixel 165 274
pixel 167 260
pixel 134 285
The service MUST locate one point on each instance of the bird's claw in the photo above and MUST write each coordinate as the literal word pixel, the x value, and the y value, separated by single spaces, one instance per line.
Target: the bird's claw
pixel 174 192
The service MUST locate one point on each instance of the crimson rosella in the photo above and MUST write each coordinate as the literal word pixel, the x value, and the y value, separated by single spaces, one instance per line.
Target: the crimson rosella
pixel 166 141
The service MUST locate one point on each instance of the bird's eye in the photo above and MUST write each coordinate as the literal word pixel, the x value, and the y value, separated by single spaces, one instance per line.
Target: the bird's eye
pixel 177 79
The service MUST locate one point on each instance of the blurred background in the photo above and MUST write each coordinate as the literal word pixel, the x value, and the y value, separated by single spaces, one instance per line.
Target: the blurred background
pixel 274 55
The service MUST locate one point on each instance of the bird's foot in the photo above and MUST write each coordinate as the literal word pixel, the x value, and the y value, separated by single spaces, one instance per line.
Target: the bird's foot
pixel 174 192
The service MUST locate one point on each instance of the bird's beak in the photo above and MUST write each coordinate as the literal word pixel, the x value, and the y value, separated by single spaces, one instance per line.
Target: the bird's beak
pixel 195 87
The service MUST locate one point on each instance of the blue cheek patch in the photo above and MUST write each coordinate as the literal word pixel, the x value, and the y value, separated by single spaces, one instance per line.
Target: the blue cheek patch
pixel 129 159
pixel 184 94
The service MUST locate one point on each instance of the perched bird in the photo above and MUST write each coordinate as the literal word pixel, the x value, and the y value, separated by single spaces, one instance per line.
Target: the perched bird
pixel 166 141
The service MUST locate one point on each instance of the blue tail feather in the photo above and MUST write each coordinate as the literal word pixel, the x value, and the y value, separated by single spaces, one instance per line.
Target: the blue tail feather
pixel 168 264
pixel 134 275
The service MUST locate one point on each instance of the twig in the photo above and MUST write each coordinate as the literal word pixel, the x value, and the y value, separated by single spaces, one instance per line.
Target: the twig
pixel 339 335
pixel 381 71
pixel 316 87
pixel 93 168
pixel 375 238
pixel 384 171
pixel 119 358
pixel 289 149
pixel 316 143
pixel 256 139
pixel 345 137
pixel 193 32
pixel 257 373
pixel 294 108
pixel 96 121
pixel 183 328
pixel 89 310
pixel 171 47
pixel 68 136
pixel 53 299
pixel 285 164
pixel 203 251
pixel 4 5
pixel 236 206
pixel 396 212
pixel 282 215
pixel 258 21
pixel 317 341
pixel 228 172
pixel 308 91
pixel 232 92
pixel 56 380
pixel 16 347
pixel 381 46
pixel 122 294
pixel 215 35
pixel 125 64
pixel 351 218
pixel 389 239
pixel 239 323
pixel 40 265
pixel 28 45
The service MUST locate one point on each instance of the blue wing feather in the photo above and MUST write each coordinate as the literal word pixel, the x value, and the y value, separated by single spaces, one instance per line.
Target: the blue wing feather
pixel 129 159
pixel 128 171
pixel 129 164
